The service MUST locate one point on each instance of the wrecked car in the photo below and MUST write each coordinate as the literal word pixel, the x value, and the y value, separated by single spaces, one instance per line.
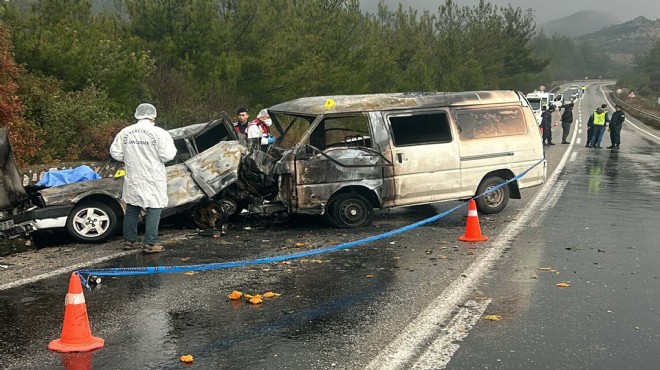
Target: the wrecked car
pixel 207 161
pixel 336 156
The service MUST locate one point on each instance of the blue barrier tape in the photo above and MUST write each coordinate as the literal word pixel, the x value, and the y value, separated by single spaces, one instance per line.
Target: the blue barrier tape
pixel 130 271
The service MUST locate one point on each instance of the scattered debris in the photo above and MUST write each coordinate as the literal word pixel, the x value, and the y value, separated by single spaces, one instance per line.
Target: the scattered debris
pixel 190 273
pixel 235 295
pixel 186 358
pixel 563 285
pixel 492 317
pixel 370 276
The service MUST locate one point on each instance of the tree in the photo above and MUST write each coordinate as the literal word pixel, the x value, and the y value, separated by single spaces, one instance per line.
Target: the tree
pixel 23 135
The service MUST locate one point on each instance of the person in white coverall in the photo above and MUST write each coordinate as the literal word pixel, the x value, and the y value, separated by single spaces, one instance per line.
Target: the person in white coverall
pixel 144 148
pixel 257 130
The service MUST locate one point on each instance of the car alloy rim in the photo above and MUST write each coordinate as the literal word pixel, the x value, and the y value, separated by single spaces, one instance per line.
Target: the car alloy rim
pixel 90 222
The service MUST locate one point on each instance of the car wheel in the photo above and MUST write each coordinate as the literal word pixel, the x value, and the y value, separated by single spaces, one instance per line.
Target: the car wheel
pixel 92 222
pixel 210 215
pixel 349 210
pixel 495 201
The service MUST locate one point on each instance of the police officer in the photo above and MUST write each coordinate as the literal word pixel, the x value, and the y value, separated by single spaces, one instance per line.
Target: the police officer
pixel 546 124
pixel 616 122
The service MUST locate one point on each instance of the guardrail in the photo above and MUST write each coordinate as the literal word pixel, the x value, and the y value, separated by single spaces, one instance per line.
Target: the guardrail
pixel 651 119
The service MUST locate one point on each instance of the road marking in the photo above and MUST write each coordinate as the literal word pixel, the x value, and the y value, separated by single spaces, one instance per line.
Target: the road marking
pixel 405 350
pixel 627 120
pixel 551 200
pixel 438 354
pixel 573 156
pixel 64 270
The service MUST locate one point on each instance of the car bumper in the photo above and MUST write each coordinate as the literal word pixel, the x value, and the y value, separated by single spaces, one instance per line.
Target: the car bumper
pixel 35 219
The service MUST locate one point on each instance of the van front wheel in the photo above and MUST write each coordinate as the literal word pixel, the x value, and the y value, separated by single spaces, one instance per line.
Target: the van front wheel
pixel 350 210
pixel 494 201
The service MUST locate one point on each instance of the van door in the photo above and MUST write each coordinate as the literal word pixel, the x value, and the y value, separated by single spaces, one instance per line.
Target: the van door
pixel 338 152
pixel 426 158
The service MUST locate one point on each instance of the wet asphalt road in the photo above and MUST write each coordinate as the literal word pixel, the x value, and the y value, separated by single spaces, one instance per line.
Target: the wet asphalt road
pixel 601 235
pixel 597 227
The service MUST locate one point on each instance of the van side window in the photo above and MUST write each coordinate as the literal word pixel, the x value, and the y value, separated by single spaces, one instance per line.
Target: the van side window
pixel 493 122
pixel 430 128
pixel 349 131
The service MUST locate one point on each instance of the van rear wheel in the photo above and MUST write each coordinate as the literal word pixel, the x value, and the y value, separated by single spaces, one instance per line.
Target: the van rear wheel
pixel 349 211
pixel 494 201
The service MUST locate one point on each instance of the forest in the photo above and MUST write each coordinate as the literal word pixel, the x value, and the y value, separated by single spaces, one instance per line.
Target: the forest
pixel 72 76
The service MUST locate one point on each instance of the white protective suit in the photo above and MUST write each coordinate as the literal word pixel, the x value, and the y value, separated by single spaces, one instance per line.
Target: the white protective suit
pixel 144 148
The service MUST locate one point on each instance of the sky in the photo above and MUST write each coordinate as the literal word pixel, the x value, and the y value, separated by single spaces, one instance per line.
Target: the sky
pixel 544 11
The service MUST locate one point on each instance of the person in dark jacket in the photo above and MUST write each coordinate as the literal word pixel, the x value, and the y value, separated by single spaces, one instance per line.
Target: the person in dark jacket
pixel 616 122
pixel 546 125
pixel 566 120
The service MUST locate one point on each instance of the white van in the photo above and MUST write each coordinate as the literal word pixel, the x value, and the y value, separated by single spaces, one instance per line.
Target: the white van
pixel 343 156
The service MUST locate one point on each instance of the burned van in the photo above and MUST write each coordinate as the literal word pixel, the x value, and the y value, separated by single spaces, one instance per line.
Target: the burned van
pixel 343 156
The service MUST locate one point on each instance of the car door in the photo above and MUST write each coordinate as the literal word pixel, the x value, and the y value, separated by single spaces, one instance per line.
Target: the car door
pixel 426 158
pixel 214 162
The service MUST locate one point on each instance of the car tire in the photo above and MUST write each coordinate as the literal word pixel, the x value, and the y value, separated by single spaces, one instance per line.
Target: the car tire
pixel 92 222
pixel 495 201
pixel 349 211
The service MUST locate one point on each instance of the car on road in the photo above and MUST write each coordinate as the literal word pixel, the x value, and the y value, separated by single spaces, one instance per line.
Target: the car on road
pixel 207 160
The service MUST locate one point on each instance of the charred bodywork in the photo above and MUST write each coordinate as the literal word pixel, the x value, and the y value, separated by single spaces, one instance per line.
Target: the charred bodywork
pixel 337 156
pixel 207 162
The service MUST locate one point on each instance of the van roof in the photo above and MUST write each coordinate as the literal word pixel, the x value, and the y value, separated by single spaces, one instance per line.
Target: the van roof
pixel 389 101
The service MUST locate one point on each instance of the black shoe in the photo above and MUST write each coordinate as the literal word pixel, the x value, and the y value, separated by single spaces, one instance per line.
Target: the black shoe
pixel 611 147
pixel 565 142
pixel 598 147
pixel 588 146
pixel 551 143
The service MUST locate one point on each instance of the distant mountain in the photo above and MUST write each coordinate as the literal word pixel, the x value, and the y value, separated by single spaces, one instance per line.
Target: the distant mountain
pixel 580 23
pixel 623 41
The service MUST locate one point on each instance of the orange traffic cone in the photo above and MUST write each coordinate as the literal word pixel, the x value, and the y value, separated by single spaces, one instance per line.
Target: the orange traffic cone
pixel 76 334
pixel 472 229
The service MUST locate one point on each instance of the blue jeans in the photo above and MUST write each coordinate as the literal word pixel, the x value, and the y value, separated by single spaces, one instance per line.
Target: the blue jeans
pixel 151 224
pixel 597 137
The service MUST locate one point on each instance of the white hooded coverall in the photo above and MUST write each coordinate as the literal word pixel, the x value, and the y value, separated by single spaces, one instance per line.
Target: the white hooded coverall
pixel 144 148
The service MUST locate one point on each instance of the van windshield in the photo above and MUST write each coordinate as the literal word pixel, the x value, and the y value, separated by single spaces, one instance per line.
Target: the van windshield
pixel 535 103
pixel 293 127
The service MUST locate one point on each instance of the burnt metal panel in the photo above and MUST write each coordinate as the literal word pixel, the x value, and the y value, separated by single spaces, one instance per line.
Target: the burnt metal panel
pixel 216 168
pixel 393 101
pixel 72 193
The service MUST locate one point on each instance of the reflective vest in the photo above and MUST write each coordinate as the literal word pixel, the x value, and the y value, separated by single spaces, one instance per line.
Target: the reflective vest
pixel 599 119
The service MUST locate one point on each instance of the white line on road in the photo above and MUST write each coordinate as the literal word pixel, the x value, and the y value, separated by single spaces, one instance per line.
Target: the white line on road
pixel 64 270
pixel 573 156
pixel 439 353
pixel 627 120
pixel 405 350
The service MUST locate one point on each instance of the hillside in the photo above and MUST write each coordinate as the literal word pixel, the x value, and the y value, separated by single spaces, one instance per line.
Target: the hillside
pixel 623 41
pixel 577 24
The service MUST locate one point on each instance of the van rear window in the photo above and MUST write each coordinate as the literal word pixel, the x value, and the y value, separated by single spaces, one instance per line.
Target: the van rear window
pixel 429 128
pixel 494 122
